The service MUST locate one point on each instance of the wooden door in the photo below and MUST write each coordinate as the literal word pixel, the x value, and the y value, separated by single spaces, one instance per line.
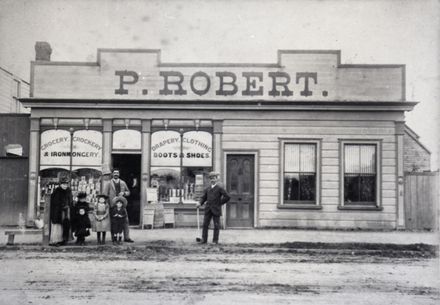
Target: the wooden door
pixel 240 186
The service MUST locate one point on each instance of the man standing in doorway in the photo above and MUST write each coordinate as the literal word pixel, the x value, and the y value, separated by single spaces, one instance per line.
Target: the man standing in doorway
pixel 118 187
pixel 214 196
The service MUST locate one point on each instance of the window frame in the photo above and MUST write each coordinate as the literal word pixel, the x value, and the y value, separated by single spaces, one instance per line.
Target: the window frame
pixel 377 205
pixel 301 204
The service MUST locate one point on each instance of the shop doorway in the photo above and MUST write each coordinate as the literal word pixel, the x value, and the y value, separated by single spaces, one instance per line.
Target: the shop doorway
pixel 129 166
pixel 240 184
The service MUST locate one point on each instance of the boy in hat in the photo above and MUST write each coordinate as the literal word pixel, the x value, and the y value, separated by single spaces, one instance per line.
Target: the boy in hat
pixel 81 219
pixel 214 196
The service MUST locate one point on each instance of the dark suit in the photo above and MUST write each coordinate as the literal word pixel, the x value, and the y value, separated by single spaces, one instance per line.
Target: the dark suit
pixel 214 197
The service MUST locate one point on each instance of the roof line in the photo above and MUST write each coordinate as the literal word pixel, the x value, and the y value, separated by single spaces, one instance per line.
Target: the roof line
pixel 415 137
pixel 14 76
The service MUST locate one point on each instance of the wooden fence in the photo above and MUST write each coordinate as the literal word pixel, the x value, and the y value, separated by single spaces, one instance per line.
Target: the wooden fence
pixel 421 200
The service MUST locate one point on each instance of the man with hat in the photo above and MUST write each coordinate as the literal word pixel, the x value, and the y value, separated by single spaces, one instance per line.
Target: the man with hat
pixel 214 196
pixel 118 188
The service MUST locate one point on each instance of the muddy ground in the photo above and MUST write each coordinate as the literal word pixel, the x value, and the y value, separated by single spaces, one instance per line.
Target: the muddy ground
pixel 179 273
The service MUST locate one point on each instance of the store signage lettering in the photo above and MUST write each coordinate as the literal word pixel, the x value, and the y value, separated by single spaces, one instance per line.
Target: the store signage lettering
pixel 176 83
pixel 86 148
pixel 196 150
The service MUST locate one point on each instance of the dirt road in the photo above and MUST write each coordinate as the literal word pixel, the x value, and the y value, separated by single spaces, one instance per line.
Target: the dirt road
pixel 172 273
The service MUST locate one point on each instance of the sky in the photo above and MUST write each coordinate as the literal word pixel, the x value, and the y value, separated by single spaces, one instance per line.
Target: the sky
pixel 246 31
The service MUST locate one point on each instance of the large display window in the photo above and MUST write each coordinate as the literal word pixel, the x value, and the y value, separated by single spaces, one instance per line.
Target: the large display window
pixel 70 153
pixel 180 163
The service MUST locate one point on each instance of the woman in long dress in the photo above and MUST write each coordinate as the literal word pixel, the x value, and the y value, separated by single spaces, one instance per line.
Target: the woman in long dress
pixel 60 205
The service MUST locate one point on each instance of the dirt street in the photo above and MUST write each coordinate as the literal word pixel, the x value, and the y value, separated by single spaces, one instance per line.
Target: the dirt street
pixel 178 273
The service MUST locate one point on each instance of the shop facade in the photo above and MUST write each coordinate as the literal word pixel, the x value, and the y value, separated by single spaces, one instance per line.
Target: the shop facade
pixel 305 142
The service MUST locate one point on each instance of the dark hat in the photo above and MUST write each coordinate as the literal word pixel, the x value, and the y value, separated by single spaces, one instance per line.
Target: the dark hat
pixel 102 196
pixel 121 199
pixel 64 180
pixel 81 195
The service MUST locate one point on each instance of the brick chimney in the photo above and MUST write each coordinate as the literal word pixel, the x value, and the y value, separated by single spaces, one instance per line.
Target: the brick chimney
pixel 42 50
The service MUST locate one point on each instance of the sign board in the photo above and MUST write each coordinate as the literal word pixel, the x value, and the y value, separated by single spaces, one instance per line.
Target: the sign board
pixel 86 148
pixel 152 194
pixel 196 148
pixel 296 75
pixel 148 220
pixel 55 147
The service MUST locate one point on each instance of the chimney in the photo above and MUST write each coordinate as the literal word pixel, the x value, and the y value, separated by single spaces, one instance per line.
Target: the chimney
pixel 42 50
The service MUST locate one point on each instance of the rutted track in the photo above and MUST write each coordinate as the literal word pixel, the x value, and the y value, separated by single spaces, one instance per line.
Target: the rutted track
pixel 171 273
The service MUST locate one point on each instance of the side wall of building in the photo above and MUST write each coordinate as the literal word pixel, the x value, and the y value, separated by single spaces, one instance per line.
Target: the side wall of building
pixel 12 88
pixel 415 157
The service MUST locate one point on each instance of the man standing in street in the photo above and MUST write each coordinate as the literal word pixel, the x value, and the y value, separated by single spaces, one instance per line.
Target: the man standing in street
pixel 214 196
pixel 118 188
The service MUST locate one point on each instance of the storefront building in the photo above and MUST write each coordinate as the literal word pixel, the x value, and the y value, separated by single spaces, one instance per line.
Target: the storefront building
pixel 305 142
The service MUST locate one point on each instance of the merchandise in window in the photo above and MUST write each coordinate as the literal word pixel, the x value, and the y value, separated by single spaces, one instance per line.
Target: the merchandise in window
pixel 170 190
pixel 360 174
pixel 299 173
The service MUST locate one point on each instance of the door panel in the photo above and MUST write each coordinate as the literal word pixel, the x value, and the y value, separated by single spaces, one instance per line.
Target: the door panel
pixel 240 185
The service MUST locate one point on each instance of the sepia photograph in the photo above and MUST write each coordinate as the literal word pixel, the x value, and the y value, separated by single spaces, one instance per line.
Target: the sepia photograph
pixel 208 152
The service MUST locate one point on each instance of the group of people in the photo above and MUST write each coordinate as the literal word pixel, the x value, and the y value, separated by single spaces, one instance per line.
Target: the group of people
pixel 109 214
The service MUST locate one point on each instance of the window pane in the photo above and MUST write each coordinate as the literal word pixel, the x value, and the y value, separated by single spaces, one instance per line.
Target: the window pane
pixel 166 179
pixel 291 186
pixel 368 159
pixel 307 158
pixel 368 188
pixel 291 158
pixel 307 187
pixel 351 158
pixel 351 188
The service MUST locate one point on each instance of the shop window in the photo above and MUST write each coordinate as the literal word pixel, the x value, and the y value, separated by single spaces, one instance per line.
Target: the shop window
pixel 300 174
pixel 180 163
pixel 86 180
pixel 360 174
pixel 72 153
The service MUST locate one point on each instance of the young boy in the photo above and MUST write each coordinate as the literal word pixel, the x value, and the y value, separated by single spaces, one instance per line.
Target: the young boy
pixel 81 224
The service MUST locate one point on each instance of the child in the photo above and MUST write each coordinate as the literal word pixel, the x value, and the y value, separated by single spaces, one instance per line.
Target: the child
pixel 118 217
pixel 81 220
pixel 102 219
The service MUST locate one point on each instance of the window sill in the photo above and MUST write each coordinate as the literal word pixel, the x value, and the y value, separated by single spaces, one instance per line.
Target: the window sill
pixel 359 208
pixel 299 206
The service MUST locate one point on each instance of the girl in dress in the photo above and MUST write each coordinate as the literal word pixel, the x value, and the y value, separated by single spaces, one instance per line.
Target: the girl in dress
pixel 102 219
pixel 118 217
